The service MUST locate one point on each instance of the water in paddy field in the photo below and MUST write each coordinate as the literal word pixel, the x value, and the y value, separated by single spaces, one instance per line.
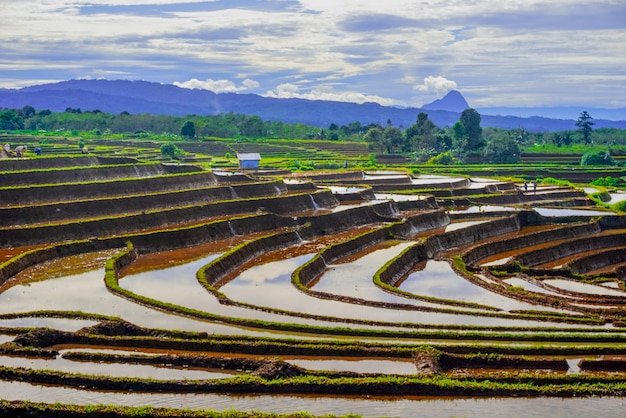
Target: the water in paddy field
pixel 264 285
pixel 400 197
pixel 319 405
pixel 617 197
pixel 97 368
pixel 569 212
pixel 438 279
pixel 270 285
pixel 585 288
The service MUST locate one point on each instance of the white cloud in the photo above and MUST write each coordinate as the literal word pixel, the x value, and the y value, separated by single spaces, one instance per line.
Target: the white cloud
pixel 439 85
pixel 290 91
pixel 250 84
pixel 217 86
pixel 493 49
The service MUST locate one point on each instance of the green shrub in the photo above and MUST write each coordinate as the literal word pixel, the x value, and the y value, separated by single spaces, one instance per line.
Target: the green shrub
pixel 171 150
pixel 444 158
pixel 609 181
pixel 597 158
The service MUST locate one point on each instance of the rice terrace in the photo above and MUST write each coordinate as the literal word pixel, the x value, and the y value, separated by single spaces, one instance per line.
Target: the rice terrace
pixel 135 284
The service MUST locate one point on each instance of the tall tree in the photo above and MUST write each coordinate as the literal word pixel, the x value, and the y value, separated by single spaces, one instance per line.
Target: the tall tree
pixel 470 119
pixel 374 136
pixel 188 130
pixel 11 120
pixel 502 151
pixel 422 134
pixel 584 124
pixel 393 137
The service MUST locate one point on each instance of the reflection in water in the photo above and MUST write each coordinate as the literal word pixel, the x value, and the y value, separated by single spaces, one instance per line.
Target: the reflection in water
pixel 86 292
pixel 400 197
pixel 112 369
pixel 439 280
pixel 62 324
pixel 516 281
pixel 270 285
pixel 617 197
pixel 319 405
pixel 569 212
pixel 484 208
pixel 575 286
pixel 453 226
pixel 357 365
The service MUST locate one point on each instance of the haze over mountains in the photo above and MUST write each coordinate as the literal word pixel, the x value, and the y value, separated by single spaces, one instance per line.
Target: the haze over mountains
pixel 146 97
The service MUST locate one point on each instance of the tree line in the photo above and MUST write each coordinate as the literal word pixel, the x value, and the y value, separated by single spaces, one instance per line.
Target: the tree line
pixel 423 141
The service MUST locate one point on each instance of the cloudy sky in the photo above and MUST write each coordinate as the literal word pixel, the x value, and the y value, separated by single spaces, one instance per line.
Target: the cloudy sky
pixel 394 52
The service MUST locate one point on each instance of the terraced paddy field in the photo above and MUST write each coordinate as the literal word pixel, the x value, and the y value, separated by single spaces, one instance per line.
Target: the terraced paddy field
pixel 377 293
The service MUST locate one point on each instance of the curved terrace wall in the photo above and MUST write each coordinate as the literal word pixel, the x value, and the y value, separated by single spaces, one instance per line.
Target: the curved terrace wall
pixel 33 235
pixel 127 204
pixel 386 186
pixel 101 189
pixel 472 234
pixel 421 222
pixel 403 263
pixel 598 261
pixel 149 241
pixel 316 266
pixel 43 163
pixel 170 239
pixel 36 256
pixel 568 248
pixel 52 176
pixel 414 224
pixel 334 222
pixel 219 268
pixel 482 251
pixel 430 246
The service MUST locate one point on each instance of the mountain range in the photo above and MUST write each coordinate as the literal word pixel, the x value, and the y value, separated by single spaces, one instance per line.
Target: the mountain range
pixel 116 96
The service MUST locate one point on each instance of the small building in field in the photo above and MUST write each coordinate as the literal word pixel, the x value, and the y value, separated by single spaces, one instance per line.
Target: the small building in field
pixel 249 160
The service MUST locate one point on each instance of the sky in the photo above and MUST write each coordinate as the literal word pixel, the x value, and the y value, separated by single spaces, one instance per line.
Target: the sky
pixel 511 53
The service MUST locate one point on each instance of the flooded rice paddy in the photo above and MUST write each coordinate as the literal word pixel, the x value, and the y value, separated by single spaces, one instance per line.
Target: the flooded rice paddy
pixel 361 405
pixel 69 293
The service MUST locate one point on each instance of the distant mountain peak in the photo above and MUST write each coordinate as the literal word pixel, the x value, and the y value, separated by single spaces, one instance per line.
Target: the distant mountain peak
pixel 452 102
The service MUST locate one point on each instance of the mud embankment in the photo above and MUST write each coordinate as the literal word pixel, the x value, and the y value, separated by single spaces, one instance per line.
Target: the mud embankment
pixel 234 260
pixel 331 177
pixel 598 261
pixel 420 222
pixel 103 189
pixel 168 218
pixel 334 222
pixel 571 247
pixel 121 204
pixel 87 174
pixel 613 222
pixel 303 186
pixel 39 163
pixel 316 266
pixel 429 247
pixel 482 251
pixel 415 224
pixel 403 264
pixel 488 189
pixel 387 186
pixel 578 198
pixel 365 193
pixel 472 234
pixel 213 231
pixel 150 241
pixel 40 255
